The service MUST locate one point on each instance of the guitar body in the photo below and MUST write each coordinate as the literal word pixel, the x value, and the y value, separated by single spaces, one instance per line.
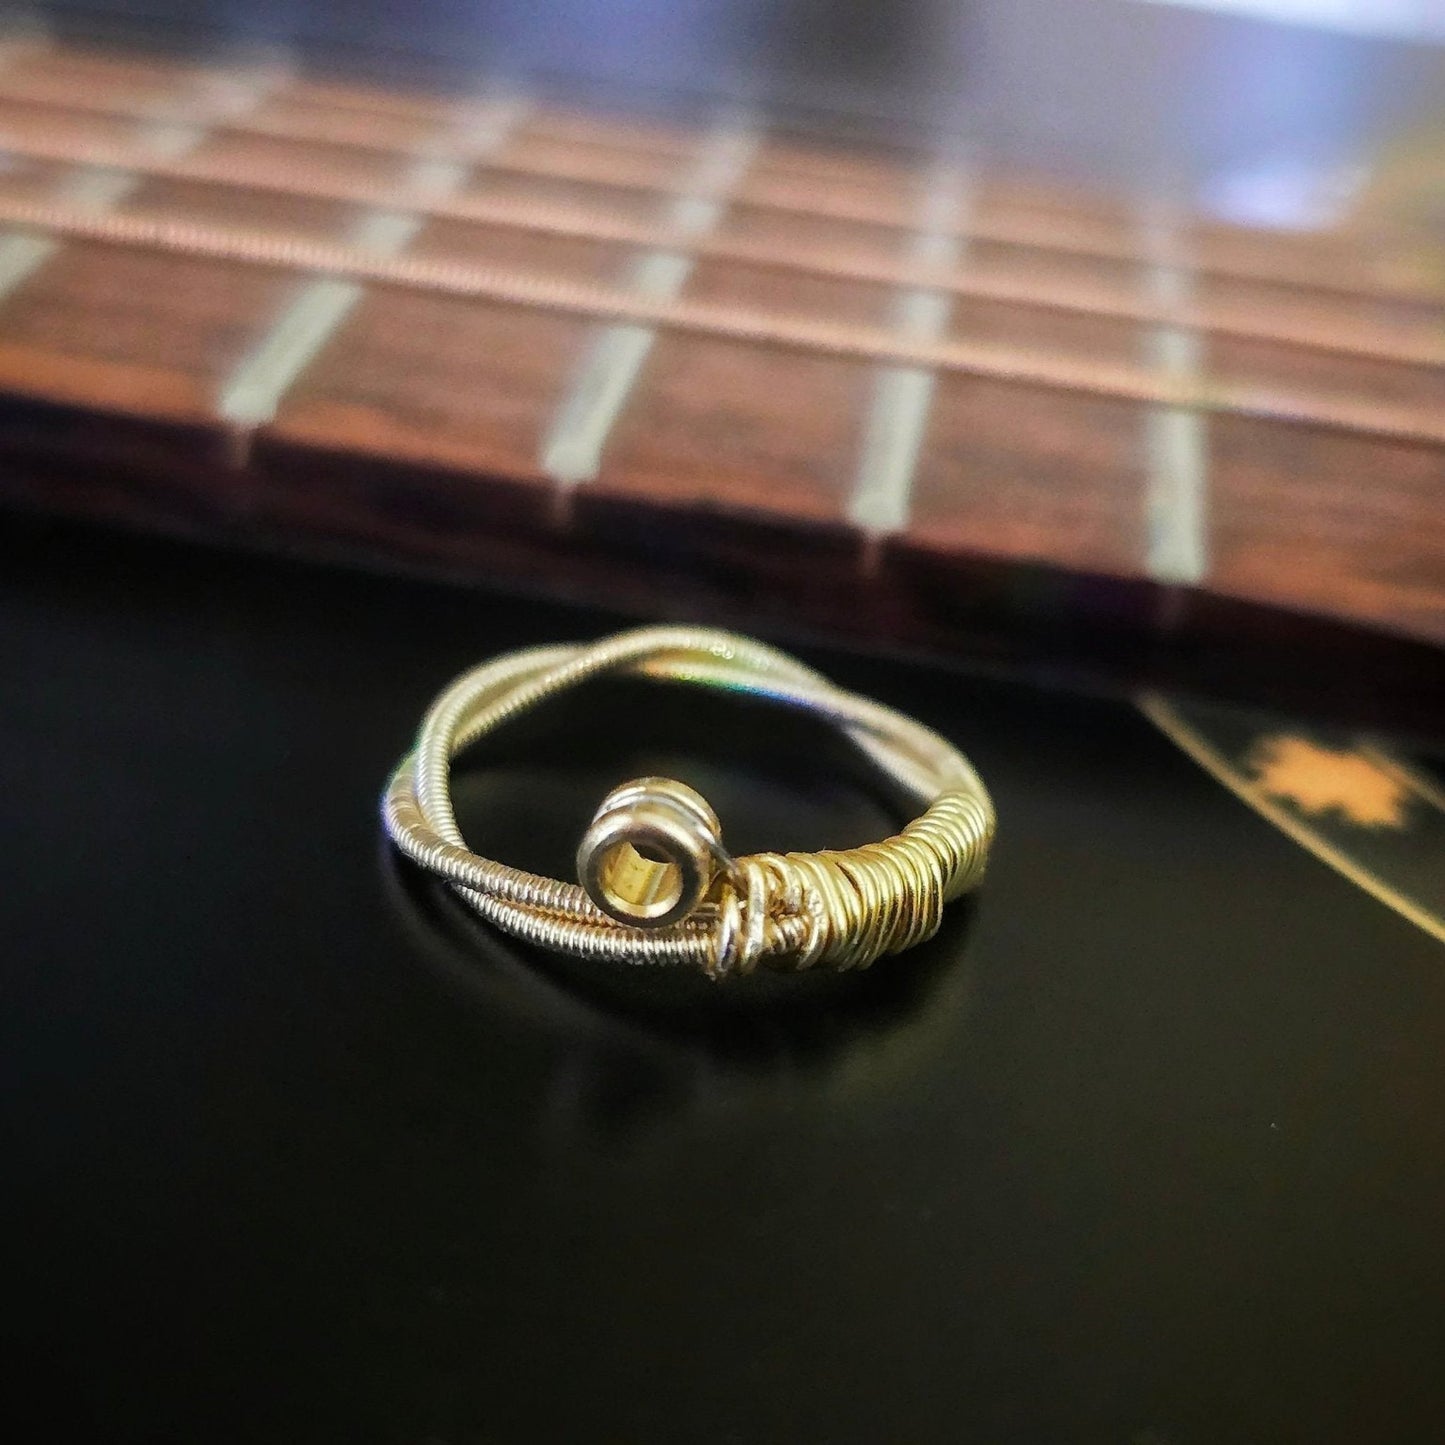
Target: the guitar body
pixel 1145 1145
pixel 1140 505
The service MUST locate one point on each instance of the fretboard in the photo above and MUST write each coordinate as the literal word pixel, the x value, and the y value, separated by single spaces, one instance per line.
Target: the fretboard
pixel 722 363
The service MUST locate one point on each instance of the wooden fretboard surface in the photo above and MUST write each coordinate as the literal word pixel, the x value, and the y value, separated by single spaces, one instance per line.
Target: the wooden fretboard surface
pixel 500 338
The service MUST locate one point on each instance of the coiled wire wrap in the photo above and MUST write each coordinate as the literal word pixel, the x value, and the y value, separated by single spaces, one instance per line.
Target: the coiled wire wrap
pixel 843 908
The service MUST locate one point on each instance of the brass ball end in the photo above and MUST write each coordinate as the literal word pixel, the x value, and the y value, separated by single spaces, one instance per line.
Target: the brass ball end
pixel 651 852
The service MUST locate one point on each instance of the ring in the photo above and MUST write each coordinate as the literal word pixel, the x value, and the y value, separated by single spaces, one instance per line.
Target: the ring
pixel 656 885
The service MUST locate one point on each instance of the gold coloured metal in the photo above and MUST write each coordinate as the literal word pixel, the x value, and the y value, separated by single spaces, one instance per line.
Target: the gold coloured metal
pixel 657 886
pixel 650 854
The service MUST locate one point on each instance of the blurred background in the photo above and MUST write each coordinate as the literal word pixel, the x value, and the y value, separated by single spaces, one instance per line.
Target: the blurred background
pixel 1270 109
pixel 1113 320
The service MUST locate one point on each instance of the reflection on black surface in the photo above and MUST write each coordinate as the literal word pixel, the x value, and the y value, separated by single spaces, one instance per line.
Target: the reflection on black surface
pixel 635 1047
pixel 1159 1158
pixel 633 1052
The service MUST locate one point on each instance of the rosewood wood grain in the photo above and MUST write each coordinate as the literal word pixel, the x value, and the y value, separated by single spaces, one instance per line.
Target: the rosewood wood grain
pixel 461 393
pixel 1301 520
pixel 1391 261
pixel 416 431
pixel 1065 483
pixel 1106 282
pixel 111 362
pixel 745 439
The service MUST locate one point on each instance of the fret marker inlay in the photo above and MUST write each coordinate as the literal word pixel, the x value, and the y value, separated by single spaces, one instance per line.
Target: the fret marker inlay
pixel 902 395
pixel 572 449
pixel 253 393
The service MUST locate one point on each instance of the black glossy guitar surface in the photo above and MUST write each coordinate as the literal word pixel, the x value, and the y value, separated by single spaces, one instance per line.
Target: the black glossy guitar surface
pixel 1147 1146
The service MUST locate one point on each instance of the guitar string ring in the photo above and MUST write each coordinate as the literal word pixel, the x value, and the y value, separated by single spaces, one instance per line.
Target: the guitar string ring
pixel 656 883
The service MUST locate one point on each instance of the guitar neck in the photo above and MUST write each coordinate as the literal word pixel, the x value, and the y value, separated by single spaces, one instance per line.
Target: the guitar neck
pixel 887 397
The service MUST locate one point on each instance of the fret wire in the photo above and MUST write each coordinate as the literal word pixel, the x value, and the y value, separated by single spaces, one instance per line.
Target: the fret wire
pixel 1041 235
pixel 99 188
pixel 562 130
pixel 21 255
pixel 253 392
pixel 559 131
pixel 1176 442
pixel 846 341
pixel 96 188
pixel 902 397
pixel 580 224
pixel 543 125
pixel 572 448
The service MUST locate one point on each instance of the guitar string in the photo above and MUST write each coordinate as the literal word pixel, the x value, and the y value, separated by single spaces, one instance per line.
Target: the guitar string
pixel 431 110
pixel 253 391
pixel 1041 233
pixel 602 302
pixel 611 365
pixel 1056 232
pixel 578 225
pixel 676 142
pixel 100 187
pixel 595 170
pixel 631 167
pixel 1422 350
